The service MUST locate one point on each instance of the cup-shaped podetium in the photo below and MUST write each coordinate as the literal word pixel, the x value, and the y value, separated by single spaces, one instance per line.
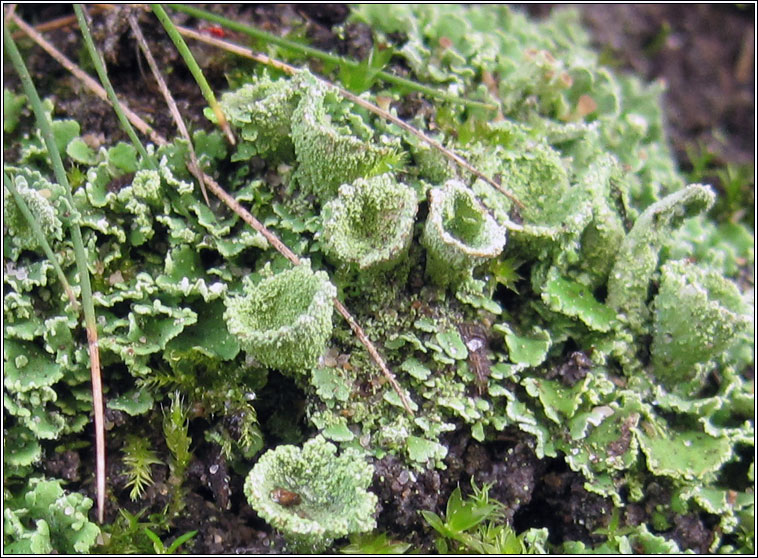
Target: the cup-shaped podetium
pixel 312 495
pixel 262 113
pixel 698 313
pixel 369 225
pixel 285 320
pixel 459 234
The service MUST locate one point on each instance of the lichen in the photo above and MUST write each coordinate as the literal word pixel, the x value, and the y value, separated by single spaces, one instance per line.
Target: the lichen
pixel 613 326
pixel 48 519
pixel 370 223
pixel 459 234
pixel 311 494
pixel 262 112
pixel 285 320
pixel 333 149
pixel 39 195
pixel 637 260
pixel 697 315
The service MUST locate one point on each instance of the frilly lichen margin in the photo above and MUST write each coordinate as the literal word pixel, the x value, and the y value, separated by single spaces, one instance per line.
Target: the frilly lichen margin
pixel 285 320
pixel 331 498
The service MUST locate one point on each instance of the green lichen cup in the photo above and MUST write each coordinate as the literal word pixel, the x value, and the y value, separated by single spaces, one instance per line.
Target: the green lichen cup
pixel 312 495
pixel 697 315
pixel 285 320
pixel 370 224
pixel 459 234
pixel 262 112
pixel 333 146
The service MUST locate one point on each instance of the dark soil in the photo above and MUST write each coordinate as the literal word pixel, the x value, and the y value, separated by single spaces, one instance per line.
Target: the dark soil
pixel 705 53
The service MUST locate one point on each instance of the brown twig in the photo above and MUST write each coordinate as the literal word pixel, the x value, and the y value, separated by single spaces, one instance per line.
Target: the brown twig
pixel 744 66
pixel 64 21
pixel 193 166
pixel 235 206
pixel 263 59
pixel 9 13
pixel 361 335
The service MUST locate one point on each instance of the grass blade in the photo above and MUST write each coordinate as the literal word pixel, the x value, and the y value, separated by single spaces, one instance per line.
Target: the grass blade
pixel 81 263
pixel 100 67
pixel 197 73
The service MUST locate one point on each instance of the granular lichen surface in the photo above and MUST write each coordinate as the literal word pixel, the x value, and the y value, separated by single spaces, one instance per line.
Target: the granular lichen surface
pixel 589 325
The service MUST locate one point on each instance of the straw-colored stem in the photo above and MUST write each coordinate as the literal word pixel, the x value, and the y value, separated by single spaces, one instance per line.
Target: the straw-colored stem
pixel 45 126
pixel 325 56
pixel 41 239
pixel 194 166
pixel 361 335
pixel 101 72
pixel 57 23
pixel 197 73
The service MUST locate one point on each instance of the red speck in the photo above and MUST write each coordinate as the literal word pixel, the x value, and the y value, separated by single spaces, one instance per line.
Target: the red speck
pixel 215 30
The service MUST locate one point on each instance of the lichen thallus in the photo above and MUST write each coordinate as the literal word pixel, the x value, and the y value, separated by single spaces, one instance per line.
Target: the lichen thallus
pixel 478 359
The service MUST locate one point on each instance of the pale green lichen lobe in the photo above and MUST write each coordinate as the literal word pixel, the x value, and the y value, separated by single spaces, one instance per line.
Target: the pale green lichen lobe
pixel 36 192
pixel 61 525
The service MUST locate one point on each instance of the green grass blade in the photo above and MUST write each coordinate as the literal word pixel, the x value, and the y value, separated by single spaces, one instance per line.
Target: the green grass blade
pixel 197 73
pixel 46 129
pixel 103 75
pixel 325 56
pixel 41 239
pixel 180 541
